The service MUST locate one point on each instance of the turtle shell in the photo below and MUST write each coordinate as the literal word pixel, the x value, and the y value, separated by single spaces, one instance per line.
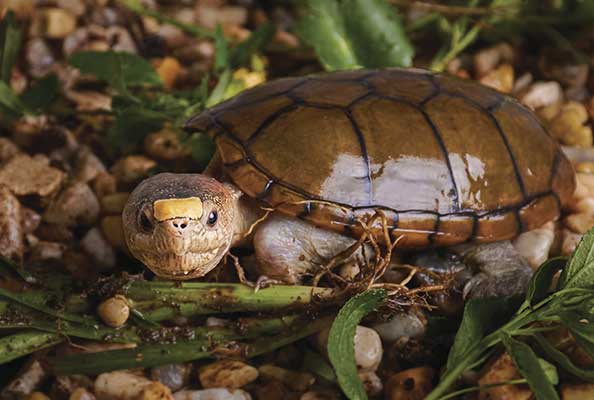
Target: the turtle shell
pixel 437 159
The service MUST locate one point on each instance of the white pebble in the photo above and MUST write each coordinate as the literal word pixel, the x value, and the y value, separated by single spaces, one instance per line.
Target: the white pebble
pixel 212 394
pixel 542 94
pixel 535 245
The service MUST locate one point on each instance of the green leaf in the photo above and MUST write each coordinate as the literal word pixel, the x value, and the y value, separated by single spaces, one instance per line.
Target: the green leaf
pixel 23 343
pixel 531 368
pixel 9 102
pixel 131 125
pixel 376 22
pixel 541 281
pixel 581 328
pixel 39 96
pixel 323 29
pixel 579 271
pixel 563 361
pixel 221 50
pixel 258 39
pixel 202 148
pixel 550 371
pixel 341 33
pixel 340 340
pixel 10 41
pixel 480 317
pixel 315 363
pixel 119 69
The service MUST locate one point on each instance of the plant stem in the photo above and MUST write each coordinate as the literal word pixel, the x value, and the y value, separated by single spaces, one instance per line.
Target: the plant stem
pixel 164 300
pixel 483 387
pixel 20 344
pixel 439 64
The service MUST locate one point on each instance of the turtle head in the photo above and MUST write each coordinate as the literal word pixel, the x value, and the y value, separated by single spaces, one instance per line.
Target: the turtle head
pixel 180 225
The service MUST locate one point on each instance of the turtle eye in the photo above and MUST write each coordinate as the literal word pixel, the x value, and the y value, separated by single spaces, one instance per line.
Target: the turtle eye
pixel 212 218
pixel 145 221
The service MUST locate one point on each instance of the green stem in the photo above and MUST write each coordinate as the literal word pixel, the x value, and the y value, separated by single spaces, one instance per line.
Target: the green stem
pixel 439 64
pixel 23 343
pixel 196 31
pixel 483 387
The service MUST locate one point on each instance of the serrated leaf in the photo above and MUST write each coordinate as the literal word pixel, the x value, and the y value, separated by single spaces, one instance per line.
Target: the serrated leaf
pixel 541 281
pixel 532 368
pixel 376 22
pixel 340 340
pixel 579 271
pixel 323 29
pixel 119 69
pixel 221 50
pixel 41 94
pixel 10 42
pixel 480 317
pixel 341 33
pixel 563 361
pixel 259 38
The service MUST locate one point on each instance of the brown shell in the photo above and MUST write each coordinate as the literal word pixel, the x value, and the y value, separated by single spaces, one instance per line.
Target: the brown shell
pixel 445 160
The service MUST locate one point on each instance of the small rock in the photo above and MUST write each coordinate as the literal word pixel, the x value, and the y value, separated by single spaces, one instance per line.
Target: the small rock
pixel 65 386
pixel 100 250
pixel 114 311
pixel 535 245
pixel 168 70
pixel 209 16
pixel 44 251
pixel 7 150
pixel 30 220
pixel 522 82
pixel 25 175
pixel 569 126
pixel 39 57
pixel 114 203
pixel 27 381
pixel 164 145
pixel 371 382
pixel 584 205
pixel 11 229
pixel 104 184
pixel 501 78
pixel 119 39
pixel 75 205
pixel 542 94
pixel 81 394
pixel 548 113
pixel 487 59
pixel 89 101
pixel 271 390
pixel 368 347
pixel 212 394
pixel 54 233
pixel 174 376
pixel 37 396
pixel 230 374
pixel 123 385
pixel 570 75
pixel 294 380
pixel 413 384
pixel 579 223
pixel 410 324
pixel 59 23
pixel 502 369
pixel 75 7
pixel 88 166
pixel 132 169
pixel 113 231
pixel 570 240
pixel 321 395
pixel 585 167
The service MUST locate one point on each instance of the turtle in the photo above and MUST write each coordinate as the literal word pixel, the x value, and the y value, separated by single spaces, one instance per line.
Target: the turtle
pixel 447 163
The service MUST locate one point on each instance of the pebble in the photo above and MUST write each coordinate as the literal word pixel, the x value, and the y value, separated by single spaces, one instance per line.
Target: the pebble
pixel 123 385
pixel 542 94
pixel 212 394
pixel 39 57
pixel 114 311
pixel 104 184
pixel 59 23
pixel 26 382
pixel 43 251
pixel 501 78
pixel 414 384
pixel 87 100
pixel 321 395
pixel 87 166
pixel 371 382
pixel 209 16
pixel 502 370
pixel 113 231
pixel 231 374
pixel 535 245
pixel 37 396
pixel 294 380
pixel 132 169
pixel 407 324
pixel 11 228
pixel 75 205
pixel 30 220
pixel 7 150
pixel 368 347
pixel 25 175
pixel 487 59
pixel 271 390
pixel 569 126
pixel 580 222
pixel 570 240
pixel 168 70
pixel 81 394
pixel 99 249
pixel 174 376
pixel 585 167
pixel 164 145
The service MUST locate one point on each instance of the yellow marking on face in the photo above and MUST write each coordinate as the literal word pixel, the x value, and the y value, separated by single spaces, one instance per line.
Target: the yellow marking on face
pixel 165 209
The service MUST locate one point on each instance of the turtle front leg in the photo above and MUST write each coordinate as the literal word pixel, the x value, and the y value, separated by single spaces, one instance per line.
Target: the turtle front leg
pixel 500 271
pixel 289 250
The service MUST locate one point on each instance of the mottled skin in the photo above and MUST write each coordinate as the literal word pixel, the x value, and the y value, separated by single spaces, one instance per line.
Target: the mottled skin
pixel 446 161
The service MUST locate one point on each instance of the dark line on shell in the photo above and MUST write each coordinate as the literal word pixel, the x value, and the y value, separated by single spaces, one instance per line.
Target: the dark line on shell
pixel 267 121
pixel 431 236
pixel 364 154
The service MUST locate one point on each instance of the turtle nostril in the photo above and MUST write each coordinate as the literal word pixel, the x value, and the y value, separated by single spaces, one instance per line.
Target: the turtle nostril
pixel 179 224
pixel 183 226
